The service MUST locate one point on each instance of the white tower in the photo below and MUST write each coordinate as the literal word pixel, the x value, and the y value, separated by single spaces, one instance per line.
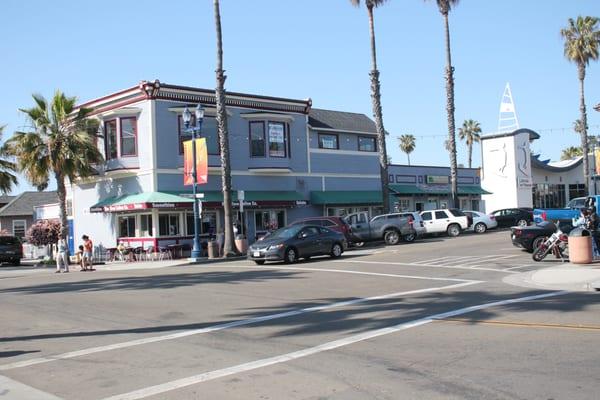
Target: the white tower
pixel 507 116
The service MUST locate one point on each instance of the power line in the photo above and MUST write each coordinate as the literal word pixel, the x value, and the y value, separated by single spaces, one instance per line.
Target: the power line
pixel 545 130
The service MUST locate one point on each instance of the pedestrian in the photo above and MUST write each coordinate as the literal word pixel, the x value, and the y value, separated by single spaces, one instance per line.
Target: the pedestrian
pixel 88 253
pixel 220 240
pixel 79 258
pixel 61 256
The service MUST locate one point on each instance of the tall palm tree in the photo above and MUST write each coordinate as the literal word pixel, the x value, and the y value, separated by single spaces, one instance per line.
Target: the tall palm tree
pixel 445 6
pixel 376 100
pixel 7 178
pixel 470 132
pixel 582 39
pixel 571 152
pixel 61 145
pixel 407 145
pixel 228 244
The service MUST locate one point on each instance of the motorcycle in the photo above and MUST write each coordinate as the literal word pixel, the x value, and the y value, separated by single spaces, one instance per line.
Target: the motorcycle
pixel 557 243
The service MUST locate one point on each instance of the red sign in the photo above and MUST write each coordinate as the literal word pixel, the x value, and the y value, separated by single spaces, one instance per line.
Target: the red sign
pixel 201 162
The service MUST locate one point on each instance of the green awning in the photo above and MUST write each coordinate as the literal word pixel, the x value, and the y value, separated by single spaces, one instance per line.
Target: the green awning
pixel 436 189
pixel 346 197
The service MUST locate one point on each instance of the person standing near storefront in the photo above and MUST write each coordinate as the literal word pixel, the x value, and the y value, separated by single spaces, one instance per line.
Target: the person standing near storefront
pixel 61 256
pixel 88 253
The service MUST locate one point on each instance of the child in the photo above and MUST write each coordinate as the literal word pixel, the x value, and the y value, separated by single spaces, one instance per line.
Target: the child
pixel 79 257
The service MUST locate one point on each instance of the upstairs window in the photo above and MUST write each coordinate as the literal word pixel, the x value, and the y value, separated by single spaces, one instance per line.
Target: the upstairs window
pixel 277 140
pixel 183 135
pixel 257 139
pixel 209 131
pixel 366 143
pixel 128 137
pixel 110 139
pixel 327 141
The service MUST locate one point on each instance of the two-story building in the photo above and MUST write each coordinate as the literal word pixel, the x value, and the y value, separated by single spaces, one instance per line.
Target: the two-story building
pixel 291 161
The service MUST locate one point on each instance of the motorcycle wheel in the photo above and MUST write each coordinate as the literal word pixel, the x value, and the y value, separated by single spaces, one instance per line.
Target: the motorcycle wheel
pixel 540 253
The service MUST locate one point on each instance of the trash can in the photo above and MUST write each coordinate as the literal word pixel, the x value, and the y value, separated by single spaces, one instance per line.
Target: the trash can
pixel 241 243
pixel 213 249
pixel 580 246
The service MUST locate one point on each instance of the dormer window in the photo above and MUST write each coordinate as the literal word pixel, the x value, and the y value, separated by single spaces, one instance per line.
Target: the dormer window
pixel 128 137
pixel 121 142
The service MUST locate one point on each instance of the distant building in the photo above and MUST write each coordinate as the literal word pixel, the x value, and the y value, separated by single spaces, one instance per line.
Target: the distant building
pixel 18 214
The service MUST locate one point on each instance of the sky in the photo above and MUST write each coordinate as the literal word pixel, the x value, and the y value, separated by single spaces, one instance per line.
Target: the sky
pixel 312 48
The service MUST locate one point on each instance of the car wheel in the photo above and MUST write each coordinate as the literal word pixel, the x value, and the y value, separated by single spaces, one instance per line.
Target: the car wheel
pixel 537 242
pixel 259 262
pixel 336 250
pixel 409 238
pixel 290 256
pixel 453 230
pixel 480 227
pixel 391 237
pixel 522 223
pixel 16 262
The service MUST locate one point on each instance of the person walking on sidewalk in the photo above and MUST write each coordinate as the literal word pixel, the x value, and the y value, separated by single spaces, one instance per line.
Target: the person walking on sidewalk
pixel 88 253
pixel 61 256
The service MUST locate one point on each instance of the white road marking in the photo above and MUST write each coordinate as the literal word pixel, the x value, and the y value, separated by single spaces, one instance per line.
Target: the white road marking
pixel 519 266
pixel 211 375
pixel 443 261
pixel 429 266
pixel 478 260
pixel 214 328
pixel 13 390
pixel 433 259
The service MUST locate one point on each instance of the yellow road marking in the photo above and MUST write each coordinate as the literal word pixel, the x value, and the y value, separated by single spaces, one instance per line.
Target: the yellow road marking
pixel 523 324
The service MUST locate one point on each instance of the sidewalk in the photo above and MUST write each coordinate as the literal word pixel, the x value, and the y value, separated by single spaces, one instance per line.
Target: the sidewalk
pixel 567 276
pixel 124 265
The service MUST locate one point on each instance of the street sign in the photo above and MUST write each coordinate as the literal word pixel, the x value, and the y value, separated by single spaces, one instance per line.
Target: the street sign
pixel 240 196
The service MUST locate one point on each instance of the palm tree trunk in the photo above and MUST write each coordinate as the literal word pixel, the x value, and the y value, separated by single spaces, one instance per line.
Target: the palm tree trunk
pixel 228 244
pixel 378 114
pixel 408 156
pixel 470 153
pixel 584 138
pixel 62 205
pixel 450 111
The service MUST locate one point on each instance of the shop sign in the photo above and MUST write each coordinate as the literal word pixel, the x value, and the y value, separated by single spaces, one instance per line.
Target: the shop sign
pixel 524 182
pixel 126 207
pixel 301 202
pixel 437 179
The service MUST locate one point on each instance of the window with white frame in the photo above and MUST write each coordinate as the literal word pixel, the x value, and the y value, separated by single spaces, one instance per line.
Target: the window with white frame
pixel 146 225
pixel 128 137
pixel 19 226
pixel 126 225
pixel 168 225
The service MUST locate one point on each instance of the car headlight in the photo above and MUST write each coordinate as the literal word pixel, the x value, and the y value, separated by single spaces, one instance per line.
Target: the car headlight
pixel 275 246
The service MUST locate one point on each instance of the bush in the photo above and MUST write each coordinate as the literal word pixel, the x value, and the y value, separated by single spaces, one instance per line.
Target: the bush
pixel 43 233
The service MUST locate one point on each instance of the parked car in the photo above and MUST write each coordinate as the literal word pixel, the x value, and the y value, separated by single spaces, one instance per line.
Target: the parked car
pixel 530 237
pixel 337 224
pixel 513 217
pixel 451 221
pixel 572 210
pixel 11 250
pixel 417 223
pixel 481 221
pixel 390 228
pixel 297 241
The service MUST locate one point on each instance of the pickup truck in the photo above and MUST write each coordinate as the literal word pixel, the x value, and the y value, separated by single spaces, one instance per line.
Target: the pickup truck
pixel 387 227
pixel 562 214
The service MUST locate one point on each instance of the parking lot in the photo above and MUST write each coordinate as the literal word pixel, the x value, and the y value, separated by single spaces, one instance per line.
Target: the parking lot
pixel 431 319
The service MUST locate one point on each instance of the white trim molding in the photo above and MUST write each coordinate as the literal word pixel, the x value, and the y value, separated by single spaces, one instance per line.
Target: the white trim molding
pixel 120 112
pixel 208 111
pixel 268 116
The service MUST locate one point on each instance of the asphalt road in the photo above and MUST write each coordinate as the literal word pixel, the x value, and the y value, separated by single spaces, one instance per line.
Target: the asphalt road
pixel 428 320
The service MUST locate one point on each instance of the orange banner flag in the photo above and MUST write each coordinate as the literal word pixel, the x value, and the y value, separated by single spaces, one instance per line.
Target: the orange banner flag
pixel 597 157
pixel 201 162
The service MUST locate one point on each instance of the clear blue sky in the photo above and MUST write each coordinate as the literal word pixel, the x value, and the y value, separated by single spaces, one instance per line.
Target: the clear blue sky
pixel 312 48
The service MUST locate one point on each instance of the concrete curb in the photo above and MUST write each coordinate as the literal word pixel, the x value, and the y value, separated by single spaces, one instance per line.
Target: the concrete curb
pixel 214 260
pixel 572 277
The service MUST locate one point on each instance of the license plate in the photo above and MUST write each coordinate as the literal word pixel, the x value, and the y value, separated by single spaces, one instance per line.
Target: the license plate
pixel 256 254
pixel 10 252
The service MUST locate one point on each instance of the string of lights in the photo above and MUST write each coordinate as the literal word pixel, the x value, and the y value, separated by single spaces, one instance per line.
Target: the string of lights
pixel 544 130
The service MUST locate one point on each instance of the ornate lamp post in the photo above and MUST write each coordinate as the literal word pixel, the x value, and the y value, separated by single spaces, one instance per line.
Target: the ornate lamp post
pixel 195 131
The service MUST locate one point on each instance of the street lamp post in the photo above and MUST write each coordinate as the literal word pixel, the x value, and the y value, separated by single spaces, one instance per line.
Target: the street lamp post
pixel 195 131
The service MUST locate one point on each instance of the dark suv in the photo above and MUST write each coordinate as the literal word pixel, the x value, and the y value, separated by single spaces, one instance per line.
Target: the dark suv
pixel 11 250
pixel 337 224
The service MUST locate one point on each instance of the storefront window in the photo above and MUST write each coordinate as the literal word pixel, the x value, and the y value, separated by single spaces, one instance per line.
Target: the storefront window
pixel 146 225
pixel 127 226
pixel 551 196
pixel 577 190
pixel 208 223
pixel 168 225
pixel 269 220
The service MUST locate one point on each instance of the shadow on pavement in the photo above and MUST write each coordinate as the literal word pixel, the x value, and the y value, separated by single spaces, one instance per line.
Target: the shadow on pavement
pixel 14 353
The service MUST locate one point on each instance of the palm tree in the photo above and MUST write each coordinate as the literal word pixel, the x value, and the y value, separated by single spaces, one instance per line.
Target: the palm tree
pixel 470 132
pixel 228 244
pixel 582 39
pixel 407 145
pixel 7 179
pixel 61 145
pixel 570 153
pixel 445 6
pixel 376 100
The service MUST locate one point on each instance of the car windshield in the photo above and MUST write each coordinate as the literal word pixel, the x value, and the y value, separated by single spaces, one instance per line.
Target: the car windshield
pixel 285 233
pixel 8 240
pixel 457 213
